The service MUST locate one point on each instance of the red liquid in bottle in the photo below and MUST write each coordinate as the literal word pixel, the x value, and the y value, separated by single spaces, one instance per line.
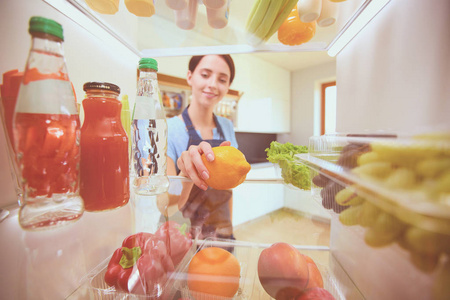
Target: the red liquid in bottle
pixel 47 153
pixel 104 156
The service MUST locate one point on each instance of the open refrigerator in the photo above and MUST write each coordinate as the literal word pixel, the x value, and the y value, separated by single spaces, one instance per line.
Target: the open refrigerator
pixel 412 262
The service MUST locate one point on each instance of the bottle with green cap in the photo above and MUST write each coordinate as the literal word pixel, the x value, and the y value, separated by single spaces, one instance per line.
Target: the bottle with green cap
pixel 47 132
pixel 149 134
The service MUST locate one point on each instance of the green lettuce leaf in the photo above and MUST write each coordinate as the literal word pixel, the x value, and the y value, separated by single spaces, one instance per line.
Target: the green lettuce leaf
pixel 292 172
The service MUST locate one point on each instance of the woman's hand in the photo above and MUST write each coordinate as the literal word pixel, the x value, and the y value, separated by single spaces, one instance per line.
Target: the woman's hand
pixel 191 165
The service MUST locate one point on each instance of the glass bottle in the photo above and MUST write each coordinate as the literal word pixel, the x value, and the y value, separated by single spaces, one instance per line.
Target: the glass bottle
pixel 149 133
pixel 104 149
pixel 47 132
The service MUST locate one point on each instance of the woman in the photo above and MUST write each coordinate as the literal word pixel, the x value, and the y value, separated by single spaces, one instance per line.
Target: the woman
pixel 194 133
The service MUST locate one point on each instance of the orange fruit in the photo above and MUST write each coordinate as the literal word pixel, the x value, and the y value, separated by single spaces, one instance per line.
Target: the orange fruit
pixel 214 271
pixel 228 169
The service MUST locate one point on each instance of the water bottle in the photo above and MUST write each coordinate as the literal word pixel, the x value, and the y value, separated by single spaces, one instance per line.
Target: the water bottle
pixel 149 134
pixel 47 133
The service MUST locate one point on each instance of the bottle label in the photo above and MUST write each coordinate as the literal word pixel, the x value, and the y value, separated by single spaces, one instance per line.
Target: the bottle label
pixel 148 108
pixel 49 96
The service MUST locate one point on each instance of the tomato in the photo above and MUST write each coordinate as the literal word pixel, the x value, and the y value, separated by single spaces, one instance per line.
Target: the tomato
pixel 283 271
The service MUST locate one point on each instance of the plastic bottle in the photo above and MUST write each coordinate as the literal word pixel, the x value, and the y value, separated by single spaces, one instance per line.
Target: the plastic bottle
pixel 309 10
pixel 218 17
pixel 46 133
pixel 177 4
pixel 104 149
pixel 185 18
pixel 294 32
pixel 149 134
pixel 214 4
pixel 328 14
pixel 125 118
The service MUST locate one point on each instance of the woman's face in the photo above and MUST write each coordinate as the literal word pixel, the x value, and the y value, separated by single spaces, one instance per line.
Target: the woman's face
pixel 210 80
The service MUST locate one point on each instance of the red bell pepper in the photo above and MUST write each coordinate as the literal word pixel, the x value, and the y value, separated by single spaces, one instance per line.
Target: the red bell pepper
pixel 176 238
pixel 141 266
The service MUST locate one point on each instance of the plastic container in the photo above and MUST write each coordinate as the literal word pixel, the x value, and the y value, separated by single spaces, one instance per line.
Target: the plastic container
pixel 294 32
pixel 9 92
pixel 177 4
pixel 93 285
pixel 105 181
pixel 395 218
pixel 186 18
pixel 309 10
pixel 218 17
pixel 214 4
pixel 108 7
pixel 141 8
pixel 46 131
pixel 249 285
pixel 328 14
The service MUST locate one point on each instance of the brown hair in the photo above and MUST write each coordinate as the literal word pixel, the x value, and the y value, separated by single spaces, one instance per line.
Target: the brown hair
pixel 195 60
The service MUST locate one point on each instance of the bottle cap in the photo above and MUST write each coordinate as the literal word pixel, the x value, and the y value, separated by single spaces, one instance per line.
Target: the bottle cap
pixel 148 63
pixel 101 86
pixel 40 24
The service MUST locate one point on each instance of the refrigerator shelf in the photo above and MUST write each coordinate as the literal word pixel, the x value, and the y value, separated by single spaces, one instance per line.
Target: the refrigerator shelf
pixel 391 211
pixel 336 281
pixel 159 36
pixel 415 205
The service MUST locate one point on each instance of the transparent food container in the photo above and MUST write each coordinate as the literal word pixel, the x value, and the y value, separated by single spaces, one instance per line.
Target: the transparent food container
pixel 391 203
pixel 335 279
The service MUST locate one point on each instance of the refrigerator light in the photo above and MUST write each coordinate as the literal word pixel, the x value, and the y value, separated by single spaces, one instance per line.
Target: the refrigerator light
pixel 369 11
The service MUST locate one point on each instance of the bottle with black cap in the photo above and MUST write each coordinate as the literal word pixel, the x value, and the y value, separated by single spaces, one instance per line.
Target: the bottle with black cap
pixel 104 149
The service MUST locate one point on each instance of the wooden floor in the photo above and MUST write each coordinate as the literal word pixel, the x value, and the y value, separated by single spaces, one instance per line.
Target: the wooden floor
pixel 289 226
pixel 285 225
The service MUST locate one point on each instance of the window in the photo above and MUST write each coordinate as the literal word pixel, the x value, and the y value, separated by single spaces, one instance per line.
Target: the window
pixel 328 108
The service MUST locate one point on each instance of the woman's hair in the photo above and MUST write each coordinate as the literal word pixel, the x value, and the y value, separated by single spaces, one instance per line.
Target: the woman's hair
pixel 195 60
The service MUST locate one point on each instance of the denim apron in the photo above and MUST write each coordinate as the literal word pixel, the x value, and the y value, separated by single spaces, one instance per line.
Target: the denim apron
pixel 211 207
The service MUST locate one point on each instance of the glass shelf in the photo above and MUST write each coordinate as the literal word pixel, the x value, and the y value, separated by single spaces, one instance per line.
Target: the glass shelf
pixel 159 36
pixel 414 206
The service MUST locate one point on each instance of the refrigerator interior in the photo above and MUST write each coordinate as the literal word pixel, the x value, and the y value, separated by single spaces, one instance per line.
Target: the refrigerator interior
pixel 393 77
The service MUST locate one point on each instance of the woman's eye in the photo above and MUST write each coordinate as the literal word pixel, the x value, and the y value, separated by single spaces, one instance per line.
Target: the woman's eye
pixel 204 75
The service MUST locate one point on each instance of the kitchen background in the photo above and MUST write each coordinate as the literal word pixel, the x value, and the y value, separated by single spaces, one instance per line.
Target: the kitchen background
pixel 394 76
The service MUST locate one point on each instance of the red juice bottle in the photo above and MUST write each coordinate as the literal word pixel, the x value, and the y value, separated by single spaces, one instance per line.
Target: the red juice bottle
pixel 104 149
pixel 46 130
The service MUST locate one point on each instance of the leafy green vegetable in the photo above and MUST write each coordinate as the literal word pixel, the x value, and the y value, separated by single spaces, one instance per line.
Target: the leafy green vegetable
pixel 292 172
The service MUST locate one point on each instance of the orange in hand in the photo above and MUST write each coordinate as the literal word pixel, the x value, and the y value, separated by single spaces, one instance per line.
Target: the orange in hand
pixel 228 169
pixel 214 271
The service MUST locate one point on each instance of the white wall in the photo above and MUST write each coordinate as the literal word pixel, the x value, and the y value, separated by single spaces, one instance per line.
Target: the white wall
pixel 395 75
pixel 305 101
pixel 265 104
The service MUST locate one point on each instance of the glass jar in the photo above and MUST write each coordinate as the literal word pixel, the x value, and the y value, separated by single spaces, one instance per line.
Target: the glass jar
pixel 104 149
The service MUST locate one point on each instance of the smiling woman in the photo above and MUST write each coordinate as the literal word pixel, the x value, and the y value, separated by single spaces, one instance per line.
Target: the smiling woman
pixel 194 133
